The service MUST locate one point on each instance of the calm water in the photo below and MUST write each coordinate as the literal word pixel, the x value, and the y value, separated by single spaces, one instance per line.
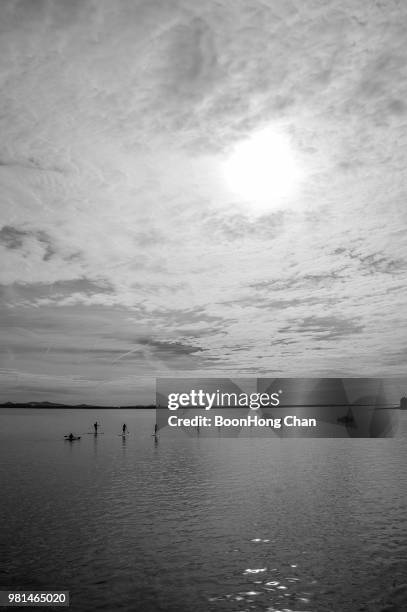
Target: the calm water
pixel 201 523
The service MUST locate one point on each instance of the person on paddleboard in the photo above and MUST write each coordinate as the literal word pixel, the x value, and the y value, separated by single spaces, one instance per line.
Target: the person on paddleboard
pixel 95 427
pixel 155 429
pixel 124 429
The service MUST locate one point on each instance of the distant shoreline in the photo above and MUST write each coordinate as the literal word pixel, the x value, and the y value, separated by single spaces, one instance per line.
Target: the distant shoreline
pixel 51 406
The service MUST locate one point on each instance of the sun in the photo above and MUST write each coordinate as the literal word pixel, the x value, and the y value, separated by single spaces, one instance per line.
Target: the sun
pixel 263 170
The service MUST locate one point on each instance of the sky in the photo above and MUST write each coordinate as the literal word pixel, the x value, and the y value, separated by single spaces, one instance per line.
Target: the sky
pixel 200 189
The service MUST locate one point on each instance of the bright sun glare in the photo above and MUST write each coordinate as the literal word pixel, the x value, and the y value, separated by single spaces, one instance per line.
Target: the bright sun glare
pixel 263 171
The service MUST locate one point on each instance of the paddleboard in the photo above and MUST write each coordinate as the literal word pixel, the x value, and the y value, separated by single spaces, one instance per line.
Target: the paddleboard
pixel 68 439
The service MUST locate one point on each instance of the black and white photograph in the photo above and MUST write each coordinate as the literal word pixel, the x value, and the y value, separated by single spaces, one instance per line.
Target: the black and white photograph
pixel 203 305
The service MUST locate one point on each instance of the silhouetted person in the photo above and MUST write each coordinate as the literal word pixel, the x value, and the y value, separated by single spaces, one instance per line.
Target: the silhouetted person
pixel 124 429
pixel 71 436
pixel 155 429
pixel 95 427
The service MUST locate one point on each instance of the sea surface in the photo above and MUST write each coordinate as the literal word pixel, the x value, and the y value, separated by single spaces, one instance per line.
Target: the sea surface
pixel 192 523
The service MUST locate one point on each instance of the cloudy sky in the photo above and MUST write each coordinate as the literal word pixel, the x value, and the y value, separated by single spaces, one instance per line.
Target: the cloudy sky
pixel 199 189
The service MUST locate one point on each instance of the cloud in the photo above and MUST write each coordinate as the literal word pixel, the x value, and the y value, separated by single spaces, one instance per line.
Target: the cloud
pixel 11 237
pixel 169 348
pixel 117 226
pixel 326 328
